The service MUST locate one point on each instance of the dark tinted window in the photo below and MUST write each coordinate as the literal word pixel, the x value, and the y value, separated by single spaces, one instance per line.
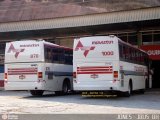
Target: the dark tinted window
pixel 58 55
pixel 68 56
pixel 131 54
pixel 48 54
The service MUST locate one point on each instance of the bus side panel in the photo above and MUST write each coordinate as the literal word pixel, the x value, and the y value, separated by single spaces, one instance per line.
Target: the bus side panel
pixel 55 74
pixel 134 72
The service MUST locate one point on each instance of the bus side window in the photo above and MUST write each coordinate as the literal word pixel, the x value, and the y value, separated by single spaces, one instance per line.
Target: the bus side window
pixel 121 52
pixel 124 52
pixel 131 54
pixel 61 55
pixel 68 57
pixel 136 56
pixel 57 55
pixel 127 53
pixel 146 60
pixel 54 56
pixel 71 58
pixel 141 60
pixel 48 54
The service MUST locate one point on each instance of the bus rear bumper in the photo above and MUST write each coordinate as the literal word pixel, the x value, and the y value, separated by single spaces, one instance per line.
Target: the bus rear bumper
pixel 94 87
pixel 23 86
pixel 80 88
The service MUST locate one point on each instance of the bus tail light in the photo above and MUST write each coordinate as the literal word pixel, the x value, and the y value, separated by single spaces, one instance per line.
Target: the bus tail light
pixel 5 76
pixel 40 75
pixel 115 74
pixel 74 75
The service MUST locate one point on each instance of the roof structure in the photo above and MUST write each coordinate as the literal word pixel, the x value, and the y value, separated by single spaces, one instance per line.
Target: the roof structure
pixel 87 20
pixel 24 10
pixel 36 18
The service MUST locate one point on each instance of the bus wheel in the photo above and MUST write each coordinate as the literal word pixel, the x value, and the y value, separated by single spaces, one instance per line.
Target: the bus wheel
pixel 36 92
pixel 128 93
pixel 65 87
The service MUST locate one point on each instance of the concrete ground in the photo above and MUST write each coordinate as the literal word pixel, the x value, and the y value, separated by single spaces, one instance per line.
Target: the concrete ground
pixel 21 102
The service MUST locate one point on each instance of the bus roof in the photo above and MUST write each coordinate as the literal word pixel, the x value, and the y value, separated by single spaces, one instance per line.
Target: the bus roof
pixel 113 36
pixel 44 42
pixel 55 45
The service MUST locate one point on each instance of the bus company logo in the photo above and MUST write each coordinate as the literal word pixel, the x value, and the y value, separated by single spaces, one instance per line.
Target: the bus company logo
pixel 16 51
pixel 86 49
pixel 22 77
pixel 94 76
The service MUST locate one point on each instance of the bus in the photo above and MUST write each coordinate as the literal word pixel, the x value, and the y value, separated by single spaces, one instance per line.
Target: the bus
pixel 106 63
pixel 38 66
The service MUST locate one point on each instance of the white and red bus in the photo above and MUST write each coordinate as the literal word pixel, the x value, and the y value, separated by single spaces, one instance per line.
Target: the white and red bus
pixel 106 63
pixel 38 66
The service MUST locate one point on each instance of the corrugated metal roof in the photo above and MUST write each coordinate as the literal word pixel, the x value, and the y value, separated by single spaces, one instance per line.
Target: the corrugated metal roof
pixel 21 10
pixel 86 20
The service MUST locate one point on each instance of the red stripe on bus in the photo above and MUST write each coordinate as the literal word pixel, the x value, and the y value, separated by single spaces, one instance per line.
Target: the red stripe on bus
pixel 94 72
pixel 22 68
pixel 21 73
pixel 93 67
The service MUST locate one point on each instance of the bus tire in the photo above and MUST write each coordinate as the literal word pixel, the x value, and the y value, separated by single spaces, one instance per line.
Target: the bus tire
pixel 36 92
pixel 65 87
pixel 129 92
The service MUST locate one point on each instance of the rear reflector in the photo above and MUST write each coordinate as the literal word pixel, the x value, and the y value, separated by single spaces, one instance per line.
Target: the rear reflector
pixel 74 75
pixel 5 76
pixel 40 75
pixel 115 74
